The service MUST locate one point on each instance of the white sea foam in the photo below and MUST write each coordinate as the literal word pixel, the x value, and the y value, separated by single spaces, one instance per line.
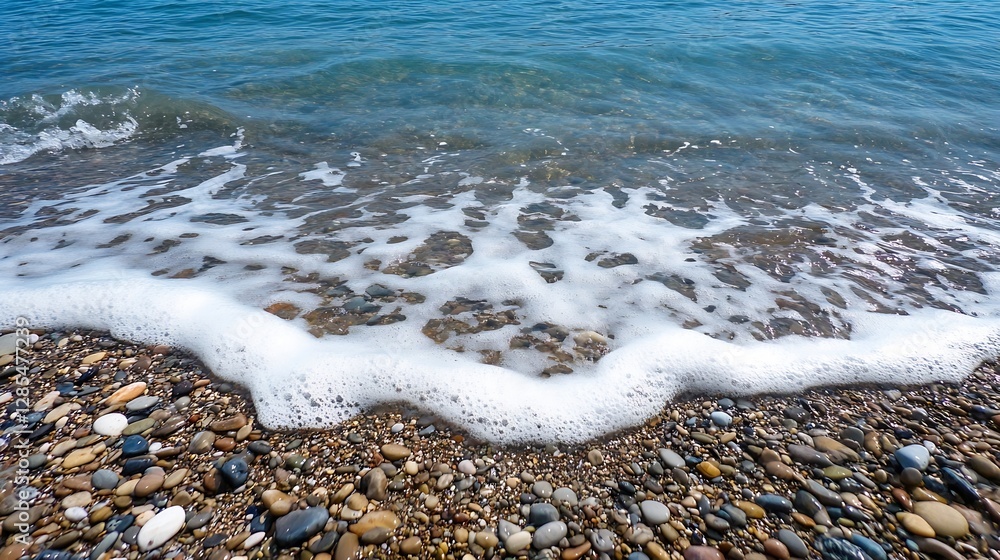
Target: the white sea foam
pixel 92 269
pixel 46 134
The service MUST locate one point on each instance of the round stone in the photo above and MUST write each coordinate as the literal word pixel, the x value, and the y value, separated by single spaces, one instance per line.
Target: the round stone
pixel 160 528
pixel 75 514
pixel 944 519
pixel 721 419
pixel 235 471
pixel 518 541
pixel 110 424
pixel 915 524
pixel 564 495
pixel 142 403
pixel 915 456
pixel 298 526
pixel 702 553
pixel 548 535
pixel 134 445
pixel 542 489
pixel 654 513
pixel 104 479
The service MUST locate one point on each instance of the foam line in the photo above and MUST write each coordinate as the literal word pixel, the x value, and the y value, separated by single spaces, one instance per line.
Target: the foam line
pixel 299 381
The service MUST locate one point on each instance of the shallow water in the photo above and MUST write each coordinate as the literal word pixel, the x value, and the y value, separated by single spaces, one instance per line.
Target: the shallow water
pixel 499 211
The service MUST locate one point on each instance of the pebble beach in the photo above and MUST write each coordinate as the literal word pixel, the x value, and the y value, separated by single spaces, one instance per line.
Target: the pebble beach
pixel 127 451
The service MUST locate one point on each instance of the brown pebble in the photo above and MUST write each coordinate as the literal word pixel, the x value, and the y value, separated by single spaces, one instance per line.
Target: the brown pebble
pixel 126 393
pixel 577 551
pixel 394 452
pixel 229 424
pixel 777 549
pixel 702 553
pixel 348 547
pixel 411 545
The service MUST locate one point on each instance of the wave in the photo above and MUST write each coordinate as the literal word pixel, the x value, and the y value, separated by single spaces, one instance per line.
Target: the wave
pixel 83 118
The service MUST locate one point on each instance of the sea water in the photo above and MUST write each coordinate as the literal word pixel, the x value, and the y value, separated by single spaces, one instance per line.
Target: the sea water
pixel 538 220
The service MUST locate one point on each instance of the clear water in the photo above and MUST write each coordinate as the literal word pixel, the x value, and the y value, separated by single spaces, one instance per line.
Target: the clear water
pixel 539 189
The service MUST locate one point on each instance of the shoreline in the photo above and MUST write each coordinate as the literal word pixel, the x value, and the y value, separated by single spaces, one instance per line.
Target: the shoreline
pixel 707 478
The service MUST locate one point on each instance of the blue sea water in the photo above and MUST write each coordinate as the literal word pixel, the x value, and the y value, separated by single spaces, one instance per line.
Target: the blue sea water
pixel 539 183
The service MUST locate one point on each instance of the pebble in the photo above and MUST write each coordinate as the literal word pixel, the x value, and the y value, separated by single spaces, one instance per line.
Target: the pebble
pixel 943 519
pixel 158 530
pixel 235 472
pixel 721 419
pixel 542 489
pixel 298 526
pixel 394 452
pixel 518 541
pixel 110 424
pixel 104 479
pixel 127 393
pixel 654 513
pixel 913 456
pixel 702 553
pixel 549 534
pixel 915 524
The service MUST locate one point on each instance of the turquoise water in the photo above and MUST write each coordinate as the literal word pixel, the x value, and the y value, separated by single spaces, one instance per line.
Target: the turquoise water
pixel 536 184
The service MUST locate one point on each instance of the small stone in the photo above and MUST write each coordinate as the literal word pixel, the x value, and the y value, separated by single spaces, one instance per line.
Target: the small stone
pixel 235 471
pixel 230 424
pixel 703 553
pixel 518 541
pixel 542 513
pixel 394 452
pixel 78 457
pixel 915 456
pixel 93 358
pixel 984 467
pixel 372 519
pixel 595 457
pixel 134 445
pixel 776 549
pixel 201 442
pixel 708 469
pixel 160 528
pixel 298 526
pixel 377 484
pixel 110 424
pixel 548 535
pixel 104 479
pixel 348 547
pixel 542 489
pixel 796 546
pixel 565 496
pixel 943 519
pixel 148 484
pixel 915 524
pixel 411 545
pixel 75 514
pixel 142 403
pixel 654 513
pixel 721 419
pixel 126 394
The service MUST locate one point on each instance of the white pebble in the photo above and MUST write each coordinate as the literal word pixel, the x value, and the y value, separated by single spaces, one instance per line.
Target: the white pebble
pixel 111 424
pixel 160 528
pixel 253 540
pixel 75 514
